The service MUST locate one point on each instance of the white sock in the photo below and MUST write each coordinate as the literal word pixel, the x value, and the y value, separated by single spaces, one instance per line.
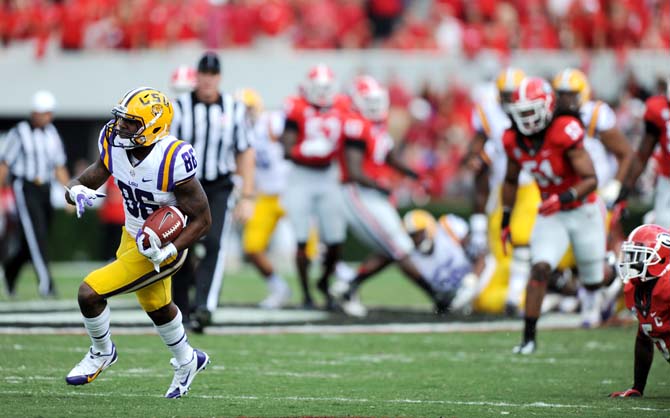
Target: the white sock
pixel 275 281
pixel 174 336
pixel 344 272
pixel 519 271
pixel 98 329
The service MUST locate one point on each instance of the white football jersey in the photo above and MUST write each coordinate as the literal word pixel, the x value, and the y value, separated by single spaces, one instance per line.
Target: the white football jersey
pixel 489 119
pixel 149 184
pixel 271 166
pixel 598 117
pixel 445 267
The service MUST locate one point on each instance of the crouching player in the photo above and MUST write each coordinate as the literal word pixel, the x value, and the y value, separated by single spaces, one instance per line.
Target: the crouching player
pixel 152 169
pixel 644 266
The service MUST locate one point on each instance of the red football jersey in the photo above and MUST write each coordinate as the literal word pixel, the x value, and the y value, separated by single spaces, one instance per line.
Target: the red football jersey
pixel 319 130
pixel 377 141
pixel 652 311
pixel 548 164
pixel 658 114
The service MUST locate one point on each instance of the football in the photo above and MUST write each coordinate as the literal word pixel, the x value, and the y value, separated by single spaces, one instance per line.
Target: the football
pixel 166 223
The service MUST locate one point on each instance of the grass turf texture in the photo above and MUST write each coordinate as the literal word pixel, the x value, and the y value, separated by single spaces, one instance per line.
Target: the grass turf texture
pixel 463 375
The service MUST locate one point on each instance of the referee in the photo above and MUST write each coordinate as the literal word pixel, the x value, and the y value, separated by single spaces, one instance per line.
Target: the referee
pixel 216 125
pixel 33 155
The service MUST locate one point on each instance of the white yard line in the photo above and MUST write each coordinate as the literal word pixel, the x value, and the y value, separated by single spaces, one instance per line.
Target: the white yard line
pixel 533 405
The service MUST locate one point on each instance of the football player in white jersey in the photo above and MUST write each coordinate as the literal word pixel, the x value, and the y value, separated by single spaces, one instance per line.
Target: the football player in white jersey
pixel 489 162
pixel 271 171
pixel 152 169
pixel 612 156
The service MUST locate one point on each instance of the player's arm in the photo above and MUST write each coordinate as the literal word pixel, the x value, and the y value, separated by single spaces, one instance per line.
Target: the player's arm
pixel 192 201
pixel 644 151
pixel 4 172
pixel 289 137
pixel 644 356
pixel 394 160
pixel 616 143
pixel 510 184
pixel 92 178
pixel 583 165
pixel 354 151
pixel 473 159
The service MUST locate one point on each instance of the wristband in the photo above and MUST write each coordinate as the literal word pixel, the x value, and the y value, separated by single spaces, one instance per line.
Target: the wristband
pixel 568 196
pixel 506 217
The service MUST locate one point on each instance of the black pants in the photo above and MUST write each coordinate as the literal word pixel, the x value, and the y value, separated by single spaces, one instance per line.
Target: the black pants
pixel 206 274
pixel 33 204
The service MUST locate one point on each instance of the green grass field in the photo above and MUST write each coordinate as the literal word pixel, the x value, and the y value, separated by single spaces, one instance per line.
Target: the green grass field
pixel 462 375
pixel 451 374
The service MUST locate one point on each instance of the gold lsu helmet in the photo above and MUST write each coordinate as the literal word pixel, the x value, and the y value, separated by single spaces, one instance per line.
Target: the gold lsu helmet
pixel 251 99
pixel 572 80
pixel 148 107
pixel 509 79
pixel 418 220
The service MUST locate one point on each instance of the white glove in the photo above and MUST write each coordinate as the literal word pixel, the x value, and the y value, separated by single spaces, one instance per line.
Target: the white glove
pixel 155 253
pixel 610 192
pixel 82 196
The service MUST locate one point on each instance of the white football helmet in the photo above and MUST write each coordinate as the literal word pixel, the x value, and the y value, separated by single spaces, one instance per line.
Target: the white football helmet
pixel 370 98
pixel 319 87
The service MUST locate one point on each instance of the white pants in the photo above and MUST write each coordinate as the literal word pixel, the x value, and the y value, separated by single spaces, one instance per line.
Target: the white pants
pixel 375 221
pixel 662 202
pixel 313 193
pixel 584 228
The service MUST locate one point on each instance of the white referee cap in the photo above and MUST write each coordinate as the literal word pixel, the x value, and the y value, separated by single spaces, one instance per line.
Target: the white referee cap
pixel 43 101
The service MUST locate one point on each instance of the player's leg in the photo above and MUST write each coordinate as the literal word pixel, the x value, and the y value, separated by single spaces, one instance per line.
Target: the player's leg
pixel 548 244
pixel 521 227
pixel 12 266
pixel 130 272
pixel 210 270
pixel 332 228
pixel 255 240
pixel 587 234
pixel 182 283
pixel 298 201
pixel 187 362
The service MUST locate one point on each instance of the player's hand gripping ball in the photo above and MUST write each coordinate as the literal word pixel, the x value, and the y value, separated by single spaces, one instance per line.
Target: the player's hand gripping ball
pixel 160 229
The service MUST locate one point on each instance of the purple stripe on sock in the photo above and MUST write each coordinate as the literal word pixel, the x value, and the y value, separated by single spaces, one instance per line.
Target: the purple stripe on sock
pixel 180 340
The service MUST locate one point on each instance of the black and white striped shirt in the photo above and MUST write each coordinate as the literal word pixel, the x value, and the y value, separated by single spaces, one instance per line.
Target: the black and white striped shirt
pixel 33 154
pixel 217 131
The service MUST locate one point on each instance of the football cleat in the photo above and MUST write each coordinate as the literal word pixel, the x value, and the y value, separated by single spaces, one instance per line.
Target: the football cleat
pixel 90 367
pixel 525 348
pixel 354 307
pixel 184 374
pixel 279 296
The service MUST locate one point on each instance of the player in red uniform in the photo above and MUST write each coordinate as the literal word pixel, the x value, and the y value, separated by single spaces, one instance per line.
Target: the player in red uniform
pixel 657 132
pixel 550 147
pixel 311 139
pixel 366 158
pixel 644 267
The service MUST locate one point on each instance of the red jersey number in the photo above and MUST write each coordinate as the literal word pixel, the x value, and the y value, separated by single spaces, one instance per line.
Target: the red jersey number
pixel 321 136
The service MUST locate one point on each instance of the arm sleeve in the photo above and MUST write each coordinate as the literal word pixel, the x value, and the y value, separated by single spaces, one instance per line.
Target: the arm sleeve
pixel 185 163
pixel 12 147
pixel 606 118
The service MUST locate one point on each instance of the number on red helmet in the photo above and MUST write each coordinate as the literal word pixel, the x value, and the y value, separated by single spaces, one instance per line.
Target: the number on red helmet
pixel 370 98
pixel 645 255
pixel 532 106
pixel 319 87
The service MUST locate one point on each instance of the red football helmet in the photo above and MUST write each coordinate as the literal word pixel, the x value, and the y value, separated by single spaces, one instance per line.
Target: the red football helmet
pixel 319 87
pixel 532 105
pixel 645 254
pixel 370 98
pixel 183 79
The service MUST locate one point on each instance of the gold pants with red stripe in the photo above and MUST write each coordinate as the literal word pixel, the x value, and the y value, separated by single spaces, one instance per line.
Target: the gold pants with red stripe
pixel 132 272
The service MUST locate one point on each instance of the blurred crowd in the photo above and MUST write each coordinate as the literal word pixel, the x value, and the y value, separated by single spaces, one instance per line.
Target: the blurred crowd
pixel 455 26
